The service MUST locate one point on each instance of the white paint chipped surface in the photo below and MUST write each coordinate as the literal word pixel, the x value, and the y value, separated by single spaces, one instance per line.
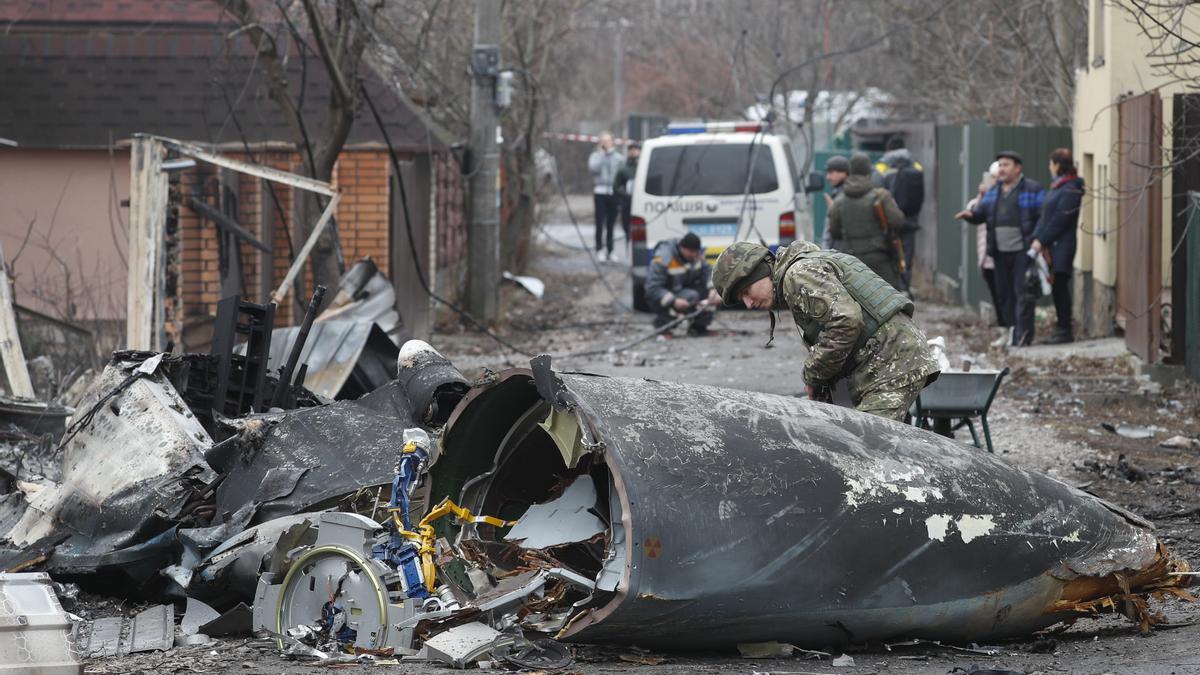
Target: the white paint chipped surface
pixel 937 525
pixel 973 527
pixel 969 528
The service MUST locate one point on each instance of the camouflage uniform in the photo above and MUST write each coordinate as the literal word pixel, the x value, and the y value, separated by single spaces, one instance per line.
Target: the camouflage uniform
pixel 887 362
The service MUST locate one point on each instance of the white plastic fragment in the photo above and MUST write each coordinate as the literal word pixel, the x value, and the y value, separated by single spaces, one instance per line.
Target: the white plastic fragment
pixel 462 645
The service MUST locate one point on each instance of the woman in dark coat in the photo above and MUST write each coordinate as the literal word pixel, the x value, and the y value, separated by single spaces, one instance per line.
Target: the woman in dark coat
pixel 1056 232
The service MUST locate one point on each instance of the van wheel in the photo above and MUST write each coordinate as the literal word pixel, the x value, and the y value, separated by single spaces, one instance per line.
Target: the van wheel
pixel 639 295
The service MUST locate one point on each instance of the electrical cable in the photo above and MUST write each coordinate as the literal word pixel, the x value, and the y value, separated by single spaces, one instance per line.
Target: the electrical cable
pixel 562 191
pixel 412 247
pixel 412 243
pixel 637 341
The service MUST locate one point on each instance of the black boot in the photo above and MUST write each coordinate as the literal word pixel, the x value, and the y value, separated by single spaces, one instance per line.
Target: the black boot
pixel 1060 337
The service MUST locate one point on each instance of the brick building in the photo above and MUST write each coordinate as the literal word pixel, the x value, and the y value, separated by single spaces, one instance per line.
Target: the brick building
pixel 81 76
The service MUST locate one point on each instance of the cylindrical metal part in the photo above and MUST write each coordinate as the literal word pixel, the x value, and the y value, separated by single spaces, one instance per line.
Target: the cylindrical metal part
pixel 746 517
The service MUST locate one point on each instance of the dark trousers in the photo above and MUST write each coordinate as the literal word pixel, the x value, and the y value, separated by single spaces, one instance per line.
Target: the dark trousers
pixel 1010 283
pixel 1061 290
pixel 626 214
pixel 989 278
pixel 606 216
pixel 665 315
pixel 908 239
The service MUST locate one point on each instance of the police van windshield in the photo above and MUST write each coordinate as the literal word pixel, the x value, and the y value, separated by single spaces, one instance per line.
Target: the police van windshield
pixel 710 169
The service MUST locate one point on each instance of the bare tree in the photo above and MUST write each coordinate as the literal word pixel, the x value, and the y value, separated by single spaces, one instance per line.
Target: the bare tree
pixel 338 32
pixel 999 61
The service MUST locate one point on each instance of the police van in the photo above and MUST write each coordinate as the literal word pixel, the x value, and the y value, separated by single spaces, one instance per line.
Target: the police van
pixel 725 181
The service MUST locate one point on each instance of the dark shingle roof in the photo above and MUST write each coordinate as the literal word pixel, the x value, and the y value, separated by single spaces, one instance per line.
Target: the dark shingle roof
pixel 81 86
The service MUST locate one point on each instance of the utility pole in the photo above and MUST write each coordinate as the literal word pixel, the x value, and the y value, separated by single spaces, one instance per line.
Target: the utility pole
pixel 619 77
pixel 483 235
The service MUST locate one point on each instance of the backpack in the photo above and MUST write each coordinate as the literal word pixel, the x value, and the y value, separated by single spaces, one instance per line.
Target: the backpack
pixel 907 185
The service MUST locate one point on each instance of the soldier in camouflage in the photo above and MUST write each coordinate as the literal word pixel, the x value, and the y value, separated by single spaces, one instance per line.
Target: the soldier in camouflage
pixel 861 218
pixel 855 324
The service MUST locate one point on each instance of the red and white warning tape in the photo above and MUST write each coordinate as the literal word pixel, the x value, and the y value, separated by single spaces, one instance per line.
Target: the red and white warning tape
pixel 585 138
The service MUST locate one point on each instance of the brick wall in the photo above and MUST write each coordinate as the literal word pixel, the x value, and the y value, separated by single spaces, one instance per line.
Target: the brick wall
pixel 362 220
pixel 362 215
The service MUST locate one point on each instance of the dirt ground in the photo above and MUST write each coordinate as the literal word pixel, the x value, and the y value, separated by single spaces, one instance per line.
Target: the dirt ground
pixel 1049 416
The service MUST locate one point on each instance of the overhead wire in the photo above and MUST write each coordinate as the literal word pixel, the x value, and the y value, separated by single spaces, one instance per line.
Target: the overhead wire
pixel 412 243
pixel 420 273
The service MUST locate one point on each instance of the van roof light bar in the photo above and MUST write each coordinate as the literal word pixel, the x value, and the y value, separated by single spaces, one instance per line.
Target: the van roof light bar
pixel 676 129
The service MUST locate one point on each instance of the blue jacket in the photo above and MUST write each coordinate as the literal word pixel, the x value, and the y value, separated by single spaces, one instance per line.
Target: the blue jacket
pixel 1060 215
pixel 668 274
pixel 1029 200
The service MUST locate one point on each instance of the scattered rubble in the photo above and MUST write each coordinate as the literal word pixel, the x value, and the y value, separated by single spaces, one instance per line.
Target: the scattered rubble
pixel 432 518
pixel 1181 443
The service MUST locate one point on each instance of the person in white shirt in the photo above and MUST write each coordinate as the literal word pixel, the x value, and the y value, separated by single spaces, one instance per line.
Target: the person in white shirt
pixel 604 163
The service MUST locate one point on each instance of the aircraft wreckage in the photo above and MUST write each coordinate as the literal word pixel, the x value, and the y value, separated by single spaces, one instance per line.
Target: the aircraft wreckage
pixel 605 509
pixel 433 513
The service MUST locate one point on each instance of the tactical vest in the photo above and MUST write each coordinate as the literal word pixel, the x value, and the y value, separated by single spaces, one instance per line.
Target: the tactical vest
pixel 861 230
pixel 878 299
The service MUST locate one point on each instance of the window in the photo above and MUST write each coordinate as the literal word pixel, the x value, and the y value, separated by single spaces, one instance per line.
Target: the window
pixel 710 169
pixel 1097 33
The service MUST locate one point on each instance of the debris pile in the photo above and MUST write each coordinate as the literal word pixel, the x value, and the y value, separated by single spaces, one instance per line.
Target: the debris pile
pixel 433 518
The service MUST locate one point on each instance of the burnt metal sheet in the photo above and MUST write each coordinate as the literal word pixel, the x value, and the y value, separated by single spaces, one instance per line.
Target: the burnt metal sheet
pixel 750 517
pixel 365 294
pixel 345 359
pixel 346 446
pixel 37 418
pixel 126 475
pixel 237 621
pixel 153 629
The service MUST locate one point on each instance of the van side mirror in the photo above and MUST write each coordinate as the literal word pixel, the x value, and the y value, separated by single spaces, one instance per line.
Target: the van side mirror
pixel 816 182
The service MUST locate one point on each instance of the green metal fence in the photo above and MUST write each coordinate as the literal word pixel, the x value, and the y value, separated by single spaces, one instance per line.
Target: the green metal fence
pixel 1191 245
pixel 964 153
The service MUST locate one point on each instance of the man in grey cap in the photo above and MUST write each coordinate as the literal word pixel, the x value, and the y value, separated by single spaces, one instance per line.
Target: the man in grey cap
pixel 837 168
pixel 1010 210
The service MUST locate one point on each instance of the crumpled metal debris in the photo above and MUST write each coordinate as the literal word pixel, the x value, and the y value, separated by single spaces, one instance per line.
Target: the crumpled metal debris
pixel 119 495
pixel 462 645
pixel 713 499
pixel 344 359
pixel 365 294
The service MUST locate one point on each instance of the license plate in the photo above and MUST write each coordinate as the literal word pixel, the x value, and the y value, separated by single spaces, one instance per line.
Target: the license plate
pixel 714 229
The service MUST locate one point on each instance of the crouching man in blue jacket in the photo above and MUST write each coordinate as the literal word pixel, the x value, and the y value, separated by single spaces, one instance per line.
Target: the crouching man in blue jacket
pixel 679 281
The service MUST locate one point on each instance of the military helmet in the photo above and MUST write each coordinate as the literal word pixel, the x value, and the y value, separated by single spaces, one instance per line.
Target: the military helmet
pixel 734 265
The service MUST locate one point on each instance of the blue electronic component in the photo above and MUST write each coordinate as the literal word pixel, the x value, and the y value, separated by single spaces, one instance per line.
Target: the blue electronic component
pixel 399 552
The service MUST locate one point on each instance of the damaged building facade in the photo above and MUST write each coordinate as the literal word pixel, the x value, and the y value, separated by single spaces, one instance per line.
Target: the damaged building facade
pixel 104 71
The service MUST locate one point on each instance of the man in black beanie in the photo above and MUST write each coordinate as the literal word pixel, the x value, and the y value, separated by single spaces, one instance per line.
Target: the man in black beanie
pixel 679 281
